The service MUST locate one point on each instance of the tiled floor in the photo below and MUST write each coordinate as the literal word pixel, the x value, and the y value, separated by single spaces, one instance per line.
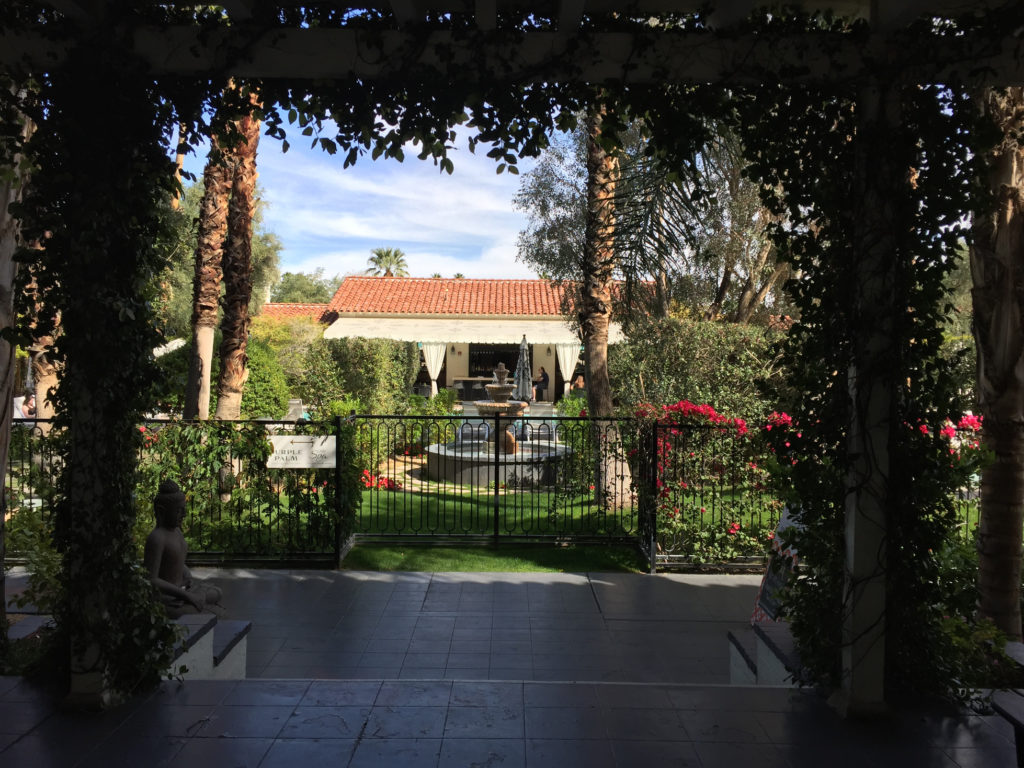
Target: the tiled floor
pixel 605 627
pixel 485 669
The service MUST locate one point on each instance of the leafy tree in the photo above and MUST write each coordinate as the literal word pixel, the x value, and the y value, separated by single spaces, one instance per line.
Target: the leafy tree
pixel 553 195
pixel 665 360
pixel 291 340
pixel 305 287
pixel 174 306
pixel 387 262
pixel 694 228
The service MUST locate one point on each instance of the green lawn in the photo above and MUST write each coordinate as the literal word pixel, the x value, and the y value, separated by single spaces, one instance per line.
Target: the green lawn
pixel 452 511
pixel 513 558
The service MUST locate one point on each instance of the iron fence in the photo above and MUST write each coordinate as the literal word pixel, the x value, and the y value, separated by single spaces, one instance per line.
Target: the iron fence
pixel 683 495
pixel 495 478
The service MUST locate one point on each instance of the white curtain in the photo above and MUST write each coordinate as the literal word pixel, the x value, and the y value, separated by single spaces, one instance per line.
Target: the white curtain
pixel 567 355
pixel 433 354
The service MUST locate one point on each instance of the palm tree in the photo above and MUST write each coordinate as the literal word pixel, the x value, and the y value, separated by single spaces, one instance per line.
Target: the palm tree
pixel 998 275
pixel 387 262
pixel 599 262
pixel 459 276
pixel 238 272
pixel 213 227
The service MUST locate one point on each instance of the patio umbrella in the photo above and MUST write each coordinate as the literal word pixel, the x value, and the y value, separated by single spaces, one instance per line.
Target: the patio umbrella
pixel 524 374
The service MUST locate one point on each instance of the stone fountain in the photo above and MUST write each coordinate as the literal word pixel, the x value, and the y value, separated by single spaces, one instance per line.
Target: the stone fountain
pixel 479 456
pixel 499 404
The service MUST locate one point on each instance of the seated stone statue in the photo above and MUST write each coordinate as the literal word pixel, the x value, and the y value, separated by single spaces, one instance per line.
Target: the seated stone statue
pixel 165 559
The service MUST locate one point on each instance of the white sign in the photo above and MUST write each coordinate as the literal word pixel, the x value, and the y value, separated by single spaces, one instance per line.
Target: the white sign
pixel 302 452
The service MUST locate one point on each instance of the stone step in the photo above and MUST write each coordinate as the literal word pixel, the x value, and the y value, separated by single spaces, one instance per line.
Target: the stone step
pixel 211 649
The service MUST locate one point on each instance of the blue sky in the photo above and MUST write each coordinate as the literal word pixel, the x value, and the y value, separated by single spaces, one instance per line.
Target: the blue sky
pixel 331 217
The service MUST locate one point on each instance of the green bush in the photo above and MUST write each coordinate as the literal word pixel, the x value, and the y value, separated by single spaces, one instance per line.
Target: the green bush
pixel 671 359
pixel 266 391
pixel 571 405
pixel 379 372
pixel 321 385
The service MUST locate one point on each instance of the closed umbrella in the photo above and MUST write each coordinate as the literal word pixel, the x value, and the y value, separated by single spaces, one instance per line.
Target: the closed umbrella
pixel 524 374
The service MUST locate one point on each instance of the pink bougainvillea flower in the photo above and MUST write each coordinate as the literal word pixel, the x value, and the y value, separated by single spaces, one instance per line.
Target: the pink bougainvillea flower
pixel 970 421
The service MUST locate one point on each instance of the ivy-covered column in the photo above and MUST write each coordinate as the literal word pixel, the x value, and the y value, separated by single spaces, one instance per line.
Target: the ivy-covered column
pixel 872 389
pixel 95 204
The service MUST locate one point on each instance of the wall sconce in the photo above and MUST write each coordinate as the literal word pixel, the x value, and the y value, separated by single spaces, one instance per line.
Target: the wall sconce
pixel 453 347
pixel 549 351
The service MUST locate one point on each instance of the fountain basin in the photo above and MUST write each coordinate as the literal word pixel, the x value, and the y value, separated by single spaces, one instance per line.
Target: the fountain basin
pixel 473 462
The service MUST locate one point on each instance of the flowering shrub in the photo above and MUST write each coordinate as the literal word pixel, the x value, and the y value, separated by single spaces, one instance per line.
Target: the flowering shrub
pixel 380 482
pixel 710 488
pixel 149 437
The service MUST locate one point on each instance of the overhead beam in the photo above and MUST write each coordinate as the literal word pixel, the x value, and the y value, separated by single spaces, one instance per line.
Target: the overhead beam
pixel 570 14
pixel 597 58
pixel 73 9
pixel 239 10
pixel 486 14
pixel 404 11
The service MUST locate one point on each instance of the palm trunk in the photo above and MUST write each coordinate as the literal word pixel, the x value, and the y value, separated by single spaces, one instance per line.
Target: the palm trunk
pixel 612 479
pixel 213 225
pixel 238 274
pixel 598 265
pixel 997 270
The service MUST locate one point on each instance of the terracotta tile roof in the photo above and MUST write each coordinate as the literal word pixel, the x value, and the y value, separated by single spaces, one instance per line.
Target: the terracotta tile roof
pixel 446 296
pixel 319 312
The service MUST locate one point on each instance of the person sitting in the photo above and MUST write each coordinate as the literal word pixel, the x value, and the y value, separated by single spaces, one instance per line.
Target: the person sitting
pixel 29 406
pixel 577 383
pixel 540 384
pixel 164 559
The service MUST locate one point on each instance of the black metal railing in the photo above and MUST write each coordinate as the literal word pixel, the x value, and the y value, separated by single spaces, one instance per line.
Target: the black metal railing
pixel 495 478
pixel 684 494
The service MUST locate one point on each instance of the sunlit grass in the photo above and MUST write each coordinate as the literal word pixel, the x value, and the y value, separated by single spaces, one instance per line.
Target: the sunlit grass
pixel 512 558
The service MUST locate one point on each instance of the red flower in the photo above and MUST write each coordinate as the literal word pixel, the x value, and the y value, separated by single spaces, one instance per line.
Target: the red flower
pixel 970 421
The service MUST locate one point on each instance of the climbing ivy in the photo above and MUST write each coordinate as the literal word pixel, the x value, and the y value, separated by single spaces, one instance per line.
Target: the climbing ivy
pixel 102 153
pixel 805 146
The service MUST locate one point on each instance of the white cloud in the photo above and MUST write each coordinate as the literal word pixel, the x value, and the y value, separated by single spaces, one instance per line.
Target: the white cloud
pixel 331 217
